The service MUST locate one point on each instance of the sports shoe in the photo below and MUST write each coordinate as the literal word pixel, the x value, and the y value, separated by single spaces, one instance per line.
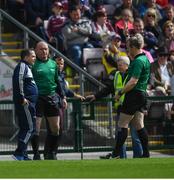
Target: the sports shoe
pixel 17 157
pixel 36 156
pixel 109 156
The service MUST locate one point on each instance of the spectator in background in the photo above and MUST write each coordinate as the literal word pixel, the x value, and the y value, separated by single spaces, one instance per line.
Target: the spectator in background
pixel 76 34
pixel 150 41
pixel 161 72
pixel 37 12
pixel 168 15
pixel 124 26
pixel 102 30
pixel 171 2
pixel 171 57
pixel 162 3
pixel 115 3
pixel 86 12
pixel 112 54
pixel 16 9
pixel 51 99
pixel 65 6
pixel 25 94
pixel 150 4
pixel 55 24
pixel 126 4
pixel 96 5
pixel 167 39
pixel 151 23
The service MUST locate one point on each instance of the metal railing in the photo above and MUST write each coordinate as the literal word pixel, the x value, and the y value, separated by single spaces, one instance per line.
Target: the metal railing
pixel 28 32
pixel 86 127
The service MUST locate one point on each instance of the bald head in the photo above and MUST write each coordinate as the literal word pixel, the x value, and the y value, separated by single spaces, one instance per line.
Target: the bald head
pixel 42 50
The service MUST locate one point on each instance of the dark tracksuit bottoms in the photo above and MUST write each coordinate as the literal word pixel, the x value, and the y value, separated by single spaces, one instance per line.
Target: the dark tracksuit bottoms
pixel 27 124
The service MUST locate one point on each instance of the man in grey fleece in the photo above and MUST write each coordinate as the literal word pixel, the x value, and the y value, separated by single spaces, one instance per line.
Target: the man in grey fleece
pixel 76 34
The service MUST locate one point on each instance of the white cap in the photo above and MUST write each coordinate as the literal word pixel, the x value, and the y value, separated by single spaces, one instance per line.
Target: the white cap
pixel 125 59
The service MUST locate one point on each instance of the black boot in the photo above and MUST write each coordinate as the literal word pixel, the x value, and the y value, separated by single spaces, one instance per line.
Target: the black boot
pixel 120 140
pixel 35 146
pixel 142 134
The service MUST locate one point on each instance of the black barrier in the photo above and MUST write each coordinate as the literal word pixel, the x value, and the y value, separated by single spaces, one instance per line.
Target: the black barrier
pixel 86 126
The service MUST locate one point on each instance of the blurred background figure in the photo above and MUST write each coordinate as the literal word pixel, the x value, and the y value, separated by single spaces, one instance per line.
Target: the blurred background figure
pixel 36 13
pixel 161 72
pixel 126 4
pixel 17 10
pixel 167 39
pixel 111 54
pixel 168 14
pixel 76 34
pixel 150 4
pixel 102 30
pixel 54 27
pixel 151 23
pixel 150 41
pixel 124 26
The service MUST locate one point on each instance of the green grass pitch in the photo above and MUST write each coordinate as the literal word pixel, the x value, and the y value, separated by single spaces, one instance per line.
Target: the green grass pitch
pixel 128 168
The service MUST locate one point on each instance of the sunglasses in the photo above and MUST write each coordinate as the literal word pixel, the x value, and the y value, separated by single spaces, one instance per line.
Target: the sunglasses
pixel 151 15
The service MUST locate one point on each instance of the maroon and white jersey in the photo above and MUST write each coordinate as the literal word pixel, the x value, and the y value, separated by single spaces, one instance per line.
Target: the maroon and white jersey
pixel 55 24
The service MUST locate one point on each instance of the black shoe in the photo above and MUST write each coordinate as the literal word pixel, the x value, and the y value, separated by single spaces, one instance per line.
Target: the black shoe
pixel 50 156
pixel 107 156
pixel 145 156
pixel 36 156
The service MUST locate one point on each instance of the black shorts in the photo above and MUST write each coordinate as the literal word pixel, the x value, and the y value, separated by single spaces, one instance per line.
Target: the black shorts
pixel 134 101
pixel 48 106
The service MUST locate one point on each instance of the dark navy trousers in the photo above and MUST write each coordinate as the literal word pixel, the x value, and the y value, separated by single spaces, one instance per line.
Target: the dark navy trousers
pixel 27 126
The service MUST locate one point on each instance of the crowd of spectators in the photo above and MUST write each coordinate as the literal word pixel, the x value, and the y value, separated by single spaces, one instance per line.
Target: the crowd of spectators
pixel 77 24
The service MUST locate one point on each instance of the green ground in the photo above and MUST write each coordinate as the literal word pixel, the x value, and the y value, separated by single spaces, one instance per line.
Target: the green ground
pixel 129 168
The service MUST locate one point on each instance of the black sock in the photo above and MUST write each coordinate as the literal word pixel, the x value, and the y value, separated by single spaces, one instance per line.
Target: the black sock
pixel 142 134
pixel 35 144
pixel 54 143
pixel 47 146
pixel 120 140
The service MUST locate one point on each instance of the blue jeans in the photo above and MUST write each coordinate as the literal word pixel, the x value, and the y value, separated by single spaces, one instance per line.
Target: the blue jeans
pixel 136 143
pixel 75 52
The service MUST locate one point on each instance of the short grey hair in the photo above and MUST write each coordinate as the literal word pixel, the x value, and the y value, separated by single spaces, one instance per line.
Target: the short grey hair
pixel 136 41
pixel 124 59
